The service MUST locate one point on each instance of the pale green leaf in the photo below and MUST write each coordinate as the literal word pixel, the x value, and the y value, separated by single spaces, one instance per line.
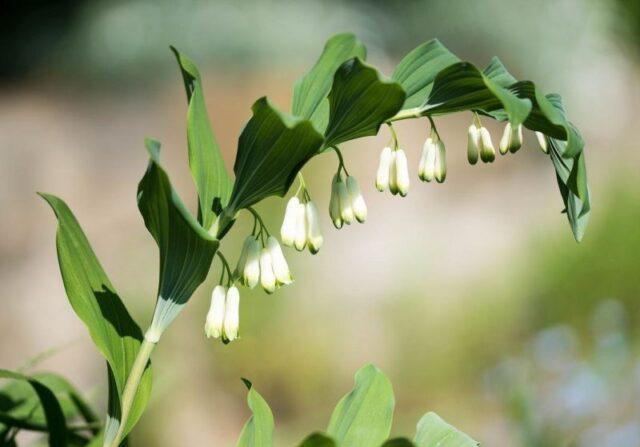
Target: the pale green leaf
pixel 359 102
pixel 433 431
pixel 258 431
pixel 93 298
pixel 186 249
pixel 272 148
pixel 363 417
pixel 418 69
pixel 205 159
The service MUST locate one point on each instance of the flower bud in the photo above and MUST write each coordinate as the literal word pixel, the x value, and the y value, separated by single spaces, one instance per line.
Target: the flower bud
pixel 231 315
pixel 542 141
pixel 278 262
pixel 384 169
pixel 393 175
pixel 300 241
pixel 473 144
pixel 401 170
pixel 267 276
pixel 288 229
pixel 334 203
pixel 441 162
pixel 357 201
pixel 251 269
pixel 215 316
pixel 487 152
pixel 314 235
pixel 427 168
pixel 346 210
pixel 511 139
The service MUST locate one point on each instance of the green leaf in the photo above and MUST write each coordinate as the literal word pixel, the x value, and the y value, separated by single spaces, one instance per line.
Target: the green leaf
pixel 317 440
pixel 258 431
pixel 18 402
pixel 498 73
pixel 51 407
pixel 93 298
pixel 398 442
pixel 433 431
pixel 310 91
pixel 462 86
pixel 418 69
pixel 272 148
pixel 363 417
pixel 186 249
pixel 359 102
pixel 205 159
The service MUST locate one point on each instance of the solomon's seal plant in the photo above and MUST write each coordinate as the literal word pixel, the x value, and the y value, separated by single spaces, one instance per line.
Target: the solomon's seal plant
pixel 340 99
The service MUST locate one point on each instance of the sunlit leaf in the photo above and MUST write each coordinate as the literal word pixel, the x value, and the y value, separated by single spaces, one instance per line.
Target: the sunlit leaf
pixel 417 70
pixel 258 431
pixel 50 406
pixel 272 148
pixel 93 298
pixel 433 431
pixel 186 249
pixel 205 159
pixel 363 417
pixel 310 92
pixel 359 102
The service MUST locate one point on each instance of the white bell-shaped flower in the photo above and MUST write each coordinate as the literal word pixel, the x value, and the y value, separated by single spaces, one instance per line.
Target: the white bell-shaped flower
pixel 473 144
pixel 249 263
pixel 441 162
pixel 401 172
pixel 358 204
pixel 346 210
pixel 542 141
pixel 427 167
pixel 487 151
pixel 231 323
pixel 384 169
pixel 288 229
pixel 334 203
pixel 267 276
pixel 300 241
pixel 213 325
pixel 278 262
pixel 314 235
pixel 511 138
pixel 393 175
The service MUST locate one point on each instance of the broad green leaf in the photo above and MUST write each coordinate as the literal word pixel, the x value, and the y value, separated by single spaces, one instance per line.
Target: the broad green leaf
pixel 186 249
pixel 359 102
pixel 310 91
pixel 258 431
pixel 363 417
pixel 205 159
pixel 462 86
pixel 498 73
pixel 272 148
pixel 398 442
pixel 51 407
pixel 93 298
pixel 433 431
pixel 18 402
pixel 417 70
pixel 317 440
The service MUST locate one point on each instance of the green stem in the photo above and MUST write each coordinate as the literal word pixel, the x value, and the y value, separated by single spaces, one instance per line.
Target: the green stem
pixel 131 387
pixel 416 112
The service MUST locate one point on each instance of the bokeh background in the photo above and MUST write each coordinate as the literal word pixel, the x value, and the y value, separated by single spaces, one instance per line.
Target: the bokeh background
pixel 472 296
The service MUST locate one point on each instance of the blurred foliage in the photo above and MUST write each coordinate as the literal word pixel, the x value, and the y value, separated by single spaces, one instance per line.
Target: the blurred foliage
pixel 626 26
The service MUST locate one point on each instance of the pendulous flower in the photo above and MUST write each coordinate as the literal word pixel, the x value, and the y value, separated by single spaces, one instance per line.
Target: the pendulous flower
pixel 511 139
pixel 473 144
pixel 487 151
pixel 384 169
pixel 267 275
pixel 288 229
pixel 213 326
pixel 278 262
pixel 314 235
pixel 542 141
pixel 231 315
pixel 248 267
pixel 357 200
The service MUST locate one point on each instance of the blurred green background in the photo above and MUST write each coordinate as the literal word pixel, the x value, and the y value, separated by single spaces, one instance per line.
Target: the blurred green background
pixel 445 290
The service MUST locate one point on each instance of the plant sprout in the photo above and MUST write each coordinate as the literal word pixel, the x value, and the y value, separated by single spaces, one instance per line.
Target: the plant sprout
pixel 340 99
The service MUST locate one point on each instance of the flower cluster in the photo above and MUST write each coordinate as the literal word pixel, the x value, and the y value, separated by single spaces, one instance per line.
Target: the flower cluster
pixel 262 260
pixel 224 314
